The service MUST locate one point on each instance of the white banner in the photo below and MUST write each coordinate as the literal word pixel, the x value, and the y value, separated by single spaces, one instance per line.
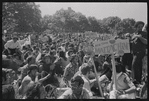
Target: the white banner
pixel 110 46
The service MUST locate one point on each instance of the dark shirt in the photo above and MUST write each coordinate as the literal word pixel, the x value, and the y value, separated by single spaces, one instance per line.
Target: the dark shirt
pixel 8 92
pixel 137 45
pixel 46 67
pixel 9 64
pixel 107 70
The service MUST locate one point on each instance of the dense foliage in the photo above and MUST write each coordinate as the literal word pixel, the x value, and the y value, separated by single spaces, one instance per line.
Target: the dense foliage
pixel 26 17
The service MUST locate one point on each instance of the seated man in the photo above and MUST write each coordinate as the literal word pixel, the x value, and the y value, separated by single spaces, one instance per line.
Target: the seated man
pixel 76 91
pixel 12 45
pixel 125 87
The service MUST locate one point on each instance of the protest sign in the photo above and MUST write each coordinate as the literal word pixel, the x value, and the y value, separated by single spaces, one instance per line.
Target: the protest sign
pixel 111 46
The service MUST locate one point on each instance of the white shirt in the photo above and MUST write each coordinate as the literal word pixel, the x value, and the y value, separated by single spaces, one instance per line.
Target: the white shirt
pixel 10 44
pixel 87 84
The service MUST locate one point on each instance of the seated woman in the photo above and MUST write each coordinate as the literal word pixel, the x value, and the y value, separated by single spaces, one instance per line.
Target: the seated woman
pixel 125 87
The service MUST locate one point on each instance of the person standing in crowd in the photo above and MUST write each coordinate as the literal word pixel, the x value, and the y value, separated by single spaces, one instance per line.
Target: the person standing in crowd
pixel 76 91
pixel 139 43
pixel 12 45
pixel 127 57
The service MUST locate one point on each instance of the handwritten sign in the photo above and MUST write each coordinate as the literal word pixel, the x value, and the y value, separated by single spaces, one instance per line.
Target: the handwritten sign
pixel 110 46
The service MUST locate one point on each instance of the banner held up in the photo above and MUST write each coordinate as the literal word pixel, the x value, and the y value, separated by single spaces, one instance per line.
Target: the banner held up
pixel 111 46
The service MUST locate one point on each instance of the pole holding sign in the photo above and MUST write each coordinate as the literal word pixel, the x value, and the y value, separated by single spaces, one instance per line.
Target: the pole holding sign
pixel 114 72
pixel 97 77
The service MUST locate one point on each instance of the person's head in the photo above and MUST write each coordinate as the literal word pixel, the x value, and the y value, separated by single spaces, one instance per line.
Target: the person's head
pixel 71 45
pixel 77 84
pixel 16 56
pixel 118 67
pixel 36 91
pixel 6 76
pixel 32 70
pixel 52 53
pixel 108 58
pixel 24 48
pixel 70 52
pixel 10 92
pixel 85 69
pixel 117 58
pixel 62 54
pixel 100 59
pixel 30 60
pixel 63 44
pixel 86 58
pixel 15 38
pixel 74 58
pixel 34 47
pixel 47 59
pixel 139 25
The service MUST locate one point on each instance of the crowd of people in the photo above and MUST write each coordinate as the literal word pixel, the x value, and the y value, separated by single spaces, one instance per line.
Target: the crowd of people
pixel 66 71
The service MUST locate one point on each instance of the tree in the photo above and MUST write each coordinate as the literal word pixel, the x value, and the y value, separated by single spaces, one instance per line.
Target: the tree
pixel 25 16
pixel 127 25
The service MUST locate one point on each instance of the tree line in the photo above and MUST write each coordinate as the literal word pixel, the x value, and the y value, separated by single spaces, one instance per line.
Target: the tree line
pixel 24 17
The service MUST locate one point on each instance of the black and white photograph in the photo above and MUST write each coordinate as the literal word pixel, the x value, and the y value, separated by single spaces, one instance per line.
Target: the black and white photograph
pixel 74 50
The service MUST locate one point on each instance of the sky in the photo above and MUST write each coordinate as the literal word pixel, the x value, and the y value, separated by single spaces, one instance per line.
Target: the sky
pixel 99 10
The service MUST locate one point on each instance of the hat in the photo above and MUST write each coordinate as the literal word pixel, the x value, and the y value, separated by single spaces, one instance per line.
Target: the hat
pixel 32 67
pixel 138 23
pixel 77 79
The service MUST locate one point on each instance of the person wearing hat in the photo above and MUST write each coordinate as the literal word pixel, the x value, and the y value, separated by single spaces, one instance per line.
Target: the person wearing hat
pixel 12 45
pixel 139 43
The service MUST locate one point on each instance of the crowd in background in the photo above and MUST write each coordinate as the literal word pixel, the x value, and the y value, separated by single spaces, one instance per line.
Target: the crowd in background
pixel 63 70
